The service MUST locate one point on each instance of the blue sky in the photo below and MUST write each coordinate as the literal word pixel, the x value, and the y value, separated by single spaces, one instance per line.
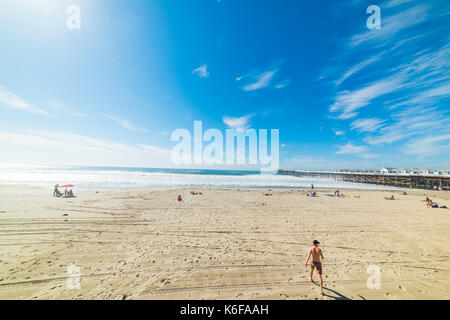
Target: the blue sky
pixel 111 93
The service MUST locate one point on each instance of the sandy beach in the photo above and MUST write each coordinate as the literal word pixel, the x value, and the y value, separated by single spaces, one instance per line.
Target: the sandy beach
pixel 223 244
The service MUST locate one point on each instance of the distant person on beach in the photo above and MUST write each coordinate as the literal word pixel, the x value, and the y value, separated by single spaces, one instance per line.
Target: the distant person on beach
pixel 317 255
pixel 432 204
pixel 337 193
pixel 312 186
pixel 179 198
pixel 56 191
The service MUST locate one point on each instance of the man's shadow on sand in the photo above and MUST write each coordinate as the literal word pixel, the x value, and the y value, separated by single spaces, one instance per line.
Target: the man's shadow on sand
pixel 337 295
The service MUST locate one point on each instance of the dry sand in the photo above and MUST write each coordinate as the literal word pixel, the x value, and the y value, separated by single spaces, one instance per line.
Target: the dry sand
pixel 224 244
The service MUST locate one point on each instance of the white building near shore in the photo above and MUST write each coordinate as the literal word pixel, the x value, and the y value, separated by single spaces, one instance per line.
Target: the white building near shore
pixel 420 172
pixel 393 171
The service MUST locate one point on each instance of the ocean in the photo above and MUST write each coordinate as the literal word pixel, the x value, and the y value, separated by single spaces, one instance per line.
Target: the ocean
pixel 141 178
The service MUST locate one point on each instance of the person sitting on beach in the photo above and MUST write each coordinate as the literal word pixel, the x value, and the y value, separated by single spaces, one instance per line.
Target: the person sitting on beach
pixel 312 194
pixel 404 193
pixel 317 255
pixel 337 193
pixel 179 198
pixel 55 191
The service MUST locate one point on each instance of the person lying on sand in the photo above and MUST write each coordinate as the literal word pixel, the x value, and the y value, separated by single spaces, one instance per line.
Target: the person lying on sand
pixel 317 255
pixel 390 198
pixel 432 204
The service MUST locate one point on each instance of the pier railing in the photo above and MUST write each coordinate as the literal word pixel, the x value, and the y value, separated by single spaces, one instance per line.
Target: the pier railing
pixel 404 181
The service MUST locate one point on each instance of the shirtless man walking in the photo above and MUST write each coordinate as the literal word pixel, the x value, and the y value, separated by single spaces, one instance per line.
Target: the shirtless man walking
pixel 316 254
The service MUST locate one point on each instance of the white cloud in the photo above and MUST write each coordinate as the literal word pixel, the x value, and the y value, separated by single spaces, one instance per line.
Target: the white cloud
pixel 348 102
pixel 238 123
pixel 356 68
pixel 394 3
pixel 201 71
pixel 428 146
pixel 367 125
pixel 339 132
pixel 10 100
pixel 283 84
pixel 261 80
pixel 390 25
pixel 350 148
pixel 402 97
pixel 58 106
pixel 56 147
pixel 409 123
pixel 127 125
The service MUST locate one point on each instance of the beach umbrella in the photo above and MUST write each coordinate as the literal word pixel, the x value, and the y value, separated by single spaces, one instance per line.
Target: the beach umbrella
pixel 67 186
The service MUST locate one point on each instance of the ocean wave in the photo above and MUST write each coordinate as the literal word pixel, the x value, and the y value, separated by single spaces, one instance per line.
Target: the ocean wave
pixel 136 178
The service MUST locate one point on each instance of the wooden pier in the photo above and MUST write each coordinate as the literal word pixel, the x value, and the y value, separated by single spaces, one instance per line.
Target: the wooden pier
pixel 429 182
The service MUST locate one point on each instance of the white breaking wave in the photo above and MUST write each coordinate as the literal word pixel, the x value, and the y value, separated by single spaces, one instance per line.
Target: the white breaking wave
pixel 127 179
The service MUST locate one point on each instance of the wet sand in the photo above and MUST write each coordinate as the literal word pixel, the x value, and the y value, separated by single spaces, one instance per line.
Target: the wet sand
pixel 223 244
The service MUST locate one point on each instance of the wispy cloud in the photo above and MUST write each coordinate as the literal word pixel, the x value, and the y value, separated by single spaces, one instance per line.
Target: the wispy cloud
pixel 58 106
pixel 404 19
pixel 411 123
pixel 201 71
pixel 428 146
pixel 56 147
pixel 238 123
pixel 356 68
pixel 348 102
pixel 367 125
pixel 399 93
pixel 283 84
pixel 126 124
pixel 261 80
pixel 350 148
pixel 10 100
